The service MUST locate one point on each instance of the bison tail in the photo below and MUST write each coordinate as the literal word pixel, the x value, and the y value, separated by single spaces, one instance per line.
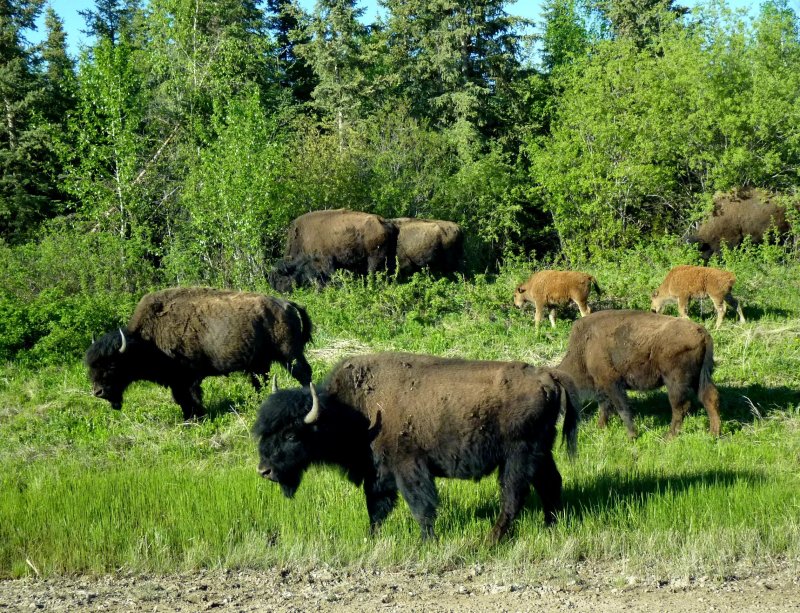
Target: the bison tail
pixel 569 408
pixel 596 287
pixel 705 382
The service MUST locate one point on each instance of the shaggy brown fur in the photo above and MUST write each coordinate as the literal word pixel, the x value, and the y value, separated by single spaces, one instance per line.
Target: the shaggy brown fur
pixel 177 337
pixel 428 243
pixel 396 421
pixel 613 351
pixel 548 288
pixel 685 282
pixel 737 214
pixel 359 242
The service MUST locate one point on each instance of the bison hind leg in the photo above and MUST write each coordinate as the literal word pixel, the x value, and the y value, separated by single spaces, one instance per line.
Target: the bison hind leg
pixel 680 402
pixel 547 483
pixel 735 305
pixel 709 396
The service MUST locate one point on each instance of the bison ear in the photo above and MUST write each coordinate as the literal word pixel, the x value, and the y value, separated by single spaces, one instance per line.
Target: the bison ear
pixel 313 414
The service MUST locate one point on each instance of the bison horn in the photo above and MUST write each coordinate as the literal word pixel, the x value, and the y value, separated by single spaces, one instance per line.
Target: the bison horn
pixel 313 414
pixel 274 383
pixel 124 342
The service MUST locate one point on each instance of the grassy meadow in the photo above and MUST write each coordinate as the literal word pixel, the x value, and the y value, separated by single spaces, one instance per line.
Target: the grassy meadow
pixel 86 489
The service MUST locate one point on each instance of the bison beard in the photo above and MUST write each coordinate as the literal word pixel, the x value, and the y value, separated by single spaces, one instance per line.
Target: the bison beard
pixel 394 422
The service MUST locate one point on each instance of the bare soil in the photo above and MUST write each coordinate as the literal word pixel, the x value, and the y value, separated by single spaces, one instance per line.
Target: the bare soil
pixel 582 589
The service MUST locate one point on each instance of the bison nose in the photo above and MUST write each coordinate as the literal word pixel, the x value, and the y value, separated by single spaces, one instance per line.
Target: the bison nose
pixel 99 392
pixel 265 472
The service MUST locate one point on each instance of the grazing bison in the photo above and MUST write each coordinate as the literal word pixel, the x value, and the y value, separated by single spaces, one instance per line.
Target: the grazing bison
pixel 548 288
pixel 342 239
pixel 613 351
pixel 177 337
pixel 429 243
pixel 745 212
pixel 302 271
pixel 395 421
pixel 685 282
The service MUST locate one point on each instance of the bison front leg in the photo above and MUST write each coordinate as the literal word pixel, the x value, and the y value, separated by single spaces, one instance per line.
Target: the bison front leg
pixel 416 485
pixel 189 396
pixel 300 371
pixel 381 497
pixel 683 306
pixel 616 394
pixel 539 312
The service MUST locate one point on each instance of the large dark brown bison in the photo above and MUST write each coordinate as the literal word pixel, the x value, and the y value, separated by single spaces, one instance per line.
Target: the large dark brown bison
pixel 332 240
pixel 610 352
pixel 177 337
pixel 745 212
pixel 429 243
pixel 395 421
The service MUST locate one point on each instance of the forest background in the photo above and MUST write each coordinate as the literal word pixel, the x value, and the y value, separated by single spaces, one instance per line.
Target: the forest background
pixel 186 135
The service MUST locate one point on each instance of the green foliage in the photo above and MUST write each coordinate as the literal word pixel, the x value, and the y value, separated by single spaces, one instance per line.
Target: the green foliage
pixel 84 488
pixel 54 298
pixel 234 202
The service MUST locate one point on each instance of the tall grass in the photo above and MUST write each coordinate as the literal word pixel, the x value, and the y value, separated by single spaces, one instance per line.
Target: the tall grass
pixel 87 489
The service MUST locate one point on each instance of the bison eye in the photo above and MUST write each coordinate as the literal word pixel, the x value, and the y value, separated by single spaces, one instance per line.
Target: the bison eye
pixel 290 436
pixel 521 290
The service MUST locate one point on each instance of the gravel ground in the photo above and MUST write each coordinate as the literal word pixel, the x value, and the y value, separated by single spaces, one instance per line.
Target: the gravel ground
pixel 585 589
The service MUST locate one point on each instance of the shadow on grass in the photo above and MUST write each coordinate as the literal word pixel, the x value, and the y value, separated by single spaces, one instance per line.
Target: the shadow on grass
pixel 605 492
pixel 749 403
pixel 743 404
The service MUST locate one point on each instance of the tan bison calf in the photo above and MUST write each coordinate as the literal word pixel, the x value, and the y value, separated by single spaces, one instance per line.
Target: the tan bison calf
pixel 550 288
pixel 685 282
pixel 613 351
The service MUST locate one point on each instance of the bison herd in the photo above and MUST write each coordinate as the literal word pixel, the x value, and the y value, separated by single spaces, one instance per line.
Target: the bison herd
pixel 393 422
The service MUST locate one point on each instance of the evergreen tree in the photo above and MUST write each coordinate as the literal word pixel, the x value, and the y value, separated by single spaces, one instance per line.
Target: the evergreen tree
pixel 59 73
pixel 24 148
pixel 288 22
pixel 565 36
pixel 109 18
pixel 641 21
pixel 336 54
pixel 449 59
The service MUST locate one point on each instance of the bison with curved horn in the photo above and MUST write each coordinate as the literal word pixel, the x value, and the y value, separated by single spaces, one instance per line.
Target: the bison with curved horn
pixel 396 421
pixel 177 337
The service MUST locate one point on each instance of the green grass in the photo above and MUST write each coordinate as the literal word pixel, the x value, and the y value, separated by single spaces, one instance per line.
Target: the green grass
pixel 86 489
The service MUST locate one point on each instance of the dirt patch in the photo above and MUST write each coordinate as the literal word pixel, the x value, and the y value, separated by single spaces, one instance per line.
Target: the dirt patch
pixel 472 589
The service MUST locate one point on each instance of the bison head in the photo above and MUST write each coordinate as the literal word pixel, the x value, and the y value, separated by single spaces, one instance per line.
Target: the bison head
pixel 105 360
pixel 519 296
pixel 286 431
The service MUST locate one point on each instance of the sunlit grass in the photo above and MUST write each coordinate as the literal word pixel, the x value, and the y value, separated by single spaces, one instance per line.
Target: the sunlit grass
pixel 84 488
